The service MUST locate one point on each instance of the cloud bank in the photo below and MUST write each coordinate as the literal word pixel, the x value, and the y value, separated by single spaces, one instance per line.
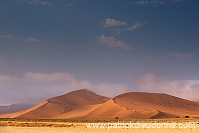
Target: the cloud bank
pixel 188 89
pixel 37 87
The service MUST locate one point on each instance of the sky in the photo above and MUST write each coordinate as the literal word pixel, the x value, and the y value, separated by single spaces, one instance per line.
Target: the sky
pixel 49 48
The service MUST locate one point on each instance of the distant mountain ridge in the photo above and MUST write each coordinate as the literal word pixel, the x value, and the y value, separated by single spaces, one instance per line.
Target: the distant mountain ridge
pixel 85 104
pixel 15 107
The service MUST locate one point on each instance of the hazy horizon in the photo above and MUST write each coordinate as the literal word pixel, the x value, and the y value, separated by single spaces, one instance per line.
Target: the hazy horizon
pixel 49 48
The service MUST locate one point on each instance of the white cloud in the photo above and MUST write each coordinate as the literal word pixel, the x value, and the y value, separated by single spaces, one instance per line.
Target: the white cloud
pixel 150 78
pixel 133 27
pixel 35 2
pixel 69 79
pixel 30 39
pixel 111 42
pixel 147 2
pixel 6 36
pixel 27 39
pixel 112 22
pixel 180 55
pixel 38 2
pixel 187 89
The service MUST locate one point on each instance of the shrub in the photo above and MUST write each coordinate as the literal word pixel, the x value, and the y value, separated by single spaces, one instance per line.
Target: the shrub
pixel 116 117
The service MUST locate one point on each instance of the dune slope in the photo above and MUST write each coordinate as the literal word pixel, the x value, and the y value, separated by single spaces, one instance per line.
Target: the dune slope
pixel 85 104
pixel 79 97
pixel 58 105
pixel 155 101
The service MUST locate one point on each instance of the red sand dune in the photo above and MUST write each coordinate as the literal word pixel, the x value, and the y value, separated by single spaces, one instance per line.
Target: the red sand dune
pixel 86 104
pixel 79 97
pixel 161 102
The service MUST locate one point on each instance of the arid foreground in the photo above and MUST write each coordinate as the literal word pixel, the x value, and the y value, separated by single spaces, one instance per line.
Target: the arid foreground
pixel 112 126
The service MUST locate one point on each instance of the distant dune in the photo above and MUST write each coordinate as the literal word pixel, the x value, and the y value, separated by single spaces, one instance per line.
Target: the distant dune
pixel 86 104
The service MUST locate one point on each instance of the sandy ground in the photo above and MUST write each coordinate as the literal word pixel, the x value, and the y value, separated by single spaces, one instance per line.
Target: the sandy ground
pixel 81 128
pixel 86 130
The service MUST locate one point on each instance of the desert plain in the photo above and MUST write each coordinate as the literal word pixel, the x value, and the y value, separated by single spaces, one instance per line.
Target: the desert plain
pixel 57 126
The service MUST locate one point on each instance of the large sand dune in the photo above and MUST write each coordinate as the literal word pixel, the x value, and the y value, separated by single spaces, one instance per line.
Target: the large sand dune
pixel 165 104
pixel 88 105
pixel 78 98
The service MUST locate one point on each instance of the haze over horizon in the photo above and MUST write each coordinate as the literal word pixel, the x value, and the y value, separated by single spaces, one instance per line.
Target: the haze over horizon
pixel 49 48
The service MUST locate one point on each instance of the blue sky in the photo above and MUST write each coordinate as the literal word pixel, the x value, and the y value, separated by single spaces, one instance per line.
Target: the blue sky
pixel 108 46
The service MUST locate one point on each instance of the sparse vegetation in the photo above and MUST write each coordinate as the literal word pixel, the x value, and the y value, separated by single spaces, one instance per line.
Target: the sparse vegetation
pixel 116 118
pixel 67 121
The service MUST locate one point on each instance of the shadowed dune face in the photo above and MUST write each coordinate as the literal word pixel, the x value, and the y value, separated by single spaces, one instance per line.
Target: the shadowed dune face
pixel 86 104
pixel 112 110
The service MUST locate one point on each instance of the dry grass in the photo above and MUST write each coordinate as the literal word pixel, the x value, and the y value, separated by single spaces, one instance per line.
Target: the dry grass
pixel 74 122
